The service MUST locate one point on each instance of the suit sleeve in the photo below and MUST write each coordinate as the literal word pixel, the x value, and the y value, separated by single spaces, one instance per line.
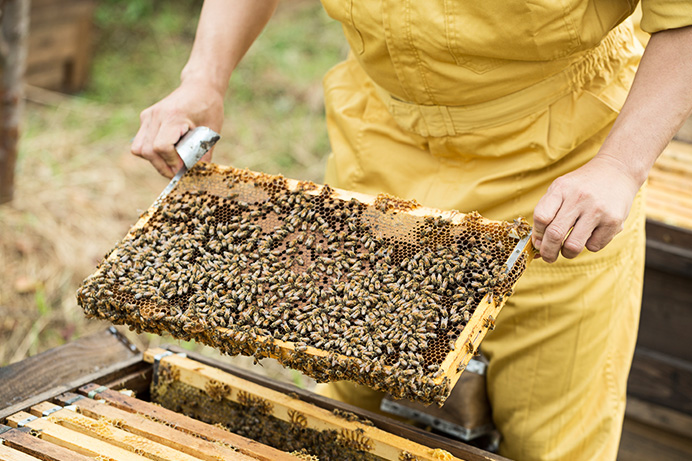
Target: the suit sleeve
pixel 658 15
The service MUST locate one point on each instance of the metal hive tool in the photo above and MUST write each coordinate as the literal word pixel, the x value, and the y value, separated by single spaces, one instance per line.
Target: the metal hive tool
pixel 338 285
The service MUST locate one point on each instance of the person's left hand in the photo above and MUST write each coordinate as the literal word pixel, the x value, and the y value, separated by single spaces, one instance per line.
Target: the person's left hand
pixel 592 201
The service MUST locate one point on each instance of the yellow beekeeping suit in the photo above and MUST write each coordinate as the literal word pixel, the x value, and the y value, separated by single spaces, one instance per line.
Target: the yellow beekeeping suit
pixel 480 106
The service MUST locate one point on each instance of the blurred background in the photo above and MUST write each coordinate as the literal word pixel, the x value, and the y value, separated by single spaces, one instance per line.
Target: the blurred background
pixel 91 67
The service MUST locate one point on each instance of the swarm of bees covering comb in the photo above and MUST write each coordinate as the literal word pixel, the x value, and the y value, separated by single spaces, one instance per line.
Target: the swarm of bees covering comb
pixel 252 418
pixel 380 291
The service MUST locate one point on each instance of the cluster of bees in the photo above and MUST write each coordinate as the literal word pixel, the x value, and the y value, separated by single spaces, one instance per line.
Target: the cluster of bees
pixel 251 419
pixel 339 289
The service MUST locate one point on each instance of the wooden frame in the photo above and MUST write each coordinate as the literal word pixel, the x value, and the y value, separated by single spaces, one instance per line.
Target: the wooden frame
pixel 119 371
pixel 468 341
pixel 288 408
pixel 139 417
pixel 21 441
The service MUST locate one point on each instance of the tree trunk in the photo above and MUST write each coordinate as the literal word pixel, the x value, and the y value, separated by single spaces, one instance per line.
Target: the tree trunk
pixel 14 27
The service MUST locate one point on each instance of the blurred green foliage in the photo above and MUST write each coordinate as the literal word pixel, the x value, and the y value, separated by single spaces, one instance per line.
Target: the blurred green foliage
pixel 140 49
pixel 136 13
pixel 274 104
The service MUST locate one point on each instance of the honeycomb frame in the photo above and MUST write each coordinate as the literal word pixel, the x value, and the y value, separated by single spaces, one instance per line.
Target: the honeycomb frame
pixel 385 214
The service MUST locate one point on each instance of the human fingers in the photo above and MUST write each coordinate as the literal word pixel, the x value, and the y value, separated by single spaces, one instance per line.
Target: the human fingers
pixel 556 232
pixel 576 240
pixel 142 144
pixel 603 234
pixel 544 213
pixel 165 140
pixel 144 127
pixel 147 150
pixel 159 164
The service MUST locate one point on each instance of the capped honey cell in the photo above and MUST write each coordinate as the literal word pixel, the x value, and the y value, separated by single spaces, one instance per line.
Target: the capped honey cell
pixel 377 290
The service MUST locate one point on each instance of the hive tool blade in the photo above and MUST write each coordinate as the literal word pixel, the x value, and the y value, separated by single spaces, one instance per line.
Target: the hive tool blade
pixel 518 250
pixel 191 147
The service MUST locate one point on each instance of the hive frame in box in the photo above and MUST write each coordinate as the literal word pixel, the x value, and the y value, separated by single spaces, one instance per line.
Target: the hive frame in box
pixel 107 358
pixel 220 386
pixel 468 341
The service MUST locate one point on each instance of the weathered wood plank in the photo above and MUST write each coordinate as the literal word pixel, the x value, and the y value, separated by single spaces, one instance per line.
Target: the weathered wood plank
pixel 284 407
pixel 666 316
pixel 669 194
pixel 152 430
pixel 658 416
pixel 40 449
pixel 671 235
pixel 661 379
pixel 671 203
pixel 73 440
pixel 642 442
pixel 186 424
pixel 107 432
pixel 48 75
pixel 670 210
pixel 138 381
pixel 10 454
pixel 671 164
pixel 456 448
pixel 669 258
pixel 79 65
pixel 64 368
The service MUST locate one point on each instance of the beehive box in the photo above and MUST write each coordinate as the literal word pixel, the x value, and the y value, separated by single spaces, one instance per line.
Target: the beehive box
pixel 234 419
pixel 60 44
pixel 282 421
pixel 65 404
pixel 338 285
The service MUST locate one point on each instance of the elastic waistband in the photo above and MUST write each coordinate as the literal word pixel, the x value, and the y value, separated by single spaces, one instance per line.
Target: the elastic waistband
pixel 609 56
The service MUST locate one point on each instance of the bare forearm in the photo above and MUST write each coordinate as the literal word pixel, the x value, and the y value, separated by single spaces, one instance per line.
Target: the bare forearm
pixel 588 207
pixel 658 103
pixel 225 31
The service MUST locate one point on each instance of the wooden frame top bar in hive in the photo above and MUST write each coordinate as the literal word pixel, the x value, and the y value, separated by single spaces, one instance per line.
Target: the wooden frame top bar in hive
pixel 338 285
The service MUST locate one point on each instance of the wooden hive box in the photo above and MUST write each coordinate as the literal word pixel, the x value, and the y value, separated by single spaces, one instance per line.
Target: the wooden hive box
pixel 51 409
pixel 59 44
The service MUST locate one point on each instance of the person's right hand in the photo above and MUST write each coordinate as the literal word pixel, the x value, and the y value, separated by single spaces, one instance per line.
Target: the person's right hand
pixel 163 124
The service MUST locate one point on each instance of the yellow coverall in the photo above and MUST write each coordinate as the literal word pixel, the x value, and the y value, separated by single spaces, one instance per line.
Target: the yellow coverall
pixel 480 106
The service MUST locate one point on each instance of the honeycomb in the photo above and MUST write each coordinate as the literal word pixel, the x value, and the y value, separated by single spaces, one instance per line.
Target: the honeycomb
pixel 338 285
pixel 251 419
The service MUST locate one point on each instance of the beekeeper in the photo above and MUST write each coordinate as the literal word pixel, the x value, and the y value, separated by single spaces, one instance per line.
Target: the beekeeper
pixel 510 108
